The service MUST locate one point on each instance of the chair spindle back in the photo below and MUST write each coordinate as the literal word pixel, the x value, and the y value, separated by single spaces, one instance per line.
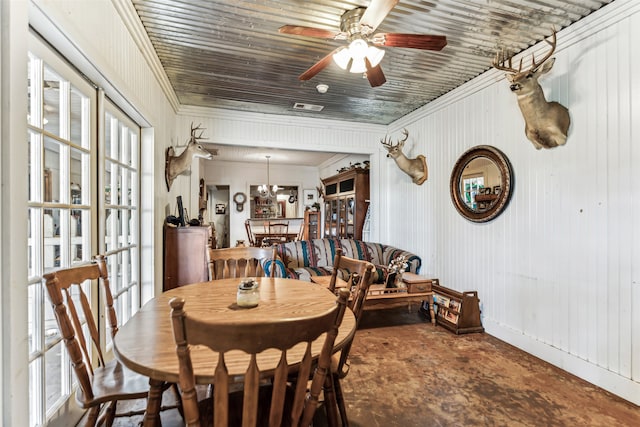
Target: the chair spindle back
pixel 240 262
pixel 254 339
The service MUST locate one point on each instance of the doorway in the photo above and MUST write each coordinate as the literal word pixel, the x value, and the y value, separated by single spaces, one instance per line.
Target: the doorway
pixel 219 214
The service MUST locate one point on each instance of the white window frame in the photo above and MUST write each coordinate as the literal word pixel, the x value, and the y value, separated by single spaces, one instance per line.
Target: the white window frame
pixel 475 181
pixel 123 156
pixel 127 286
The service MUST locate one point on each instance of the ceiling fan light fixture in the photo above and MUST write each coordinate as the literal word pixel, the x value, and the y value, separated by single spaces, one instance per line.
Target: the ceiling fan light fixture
pixel 358 49
pixel 374 55
pixel 357 26
pixel 352 58
pixel 342 58
pixel 358 66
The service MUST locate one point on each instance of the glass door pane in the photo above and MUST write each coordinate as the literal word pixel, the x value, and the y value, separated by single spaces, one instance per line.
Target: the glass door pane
pixel 60 214
pixel 119 212
pixel 349 204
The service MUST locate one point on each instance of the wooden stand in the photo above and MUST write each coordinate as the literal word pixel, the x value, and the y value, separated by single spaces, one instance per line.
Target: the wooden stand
pixel 457 311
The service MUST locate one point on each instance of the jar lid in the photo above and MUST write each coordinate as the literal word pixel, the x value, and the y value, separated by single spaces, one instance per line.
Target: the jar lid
pixel 248 284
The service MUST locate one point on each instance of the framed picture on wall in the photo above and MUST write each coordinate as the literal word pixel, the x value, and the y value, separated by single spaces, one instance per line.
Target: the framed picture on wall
pixel 310 196
pixel 221 208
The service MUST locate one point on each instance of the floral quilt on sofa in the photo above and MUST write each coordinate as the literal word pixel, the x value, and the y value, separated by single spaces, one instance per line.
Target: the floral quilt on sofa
pixel 305 258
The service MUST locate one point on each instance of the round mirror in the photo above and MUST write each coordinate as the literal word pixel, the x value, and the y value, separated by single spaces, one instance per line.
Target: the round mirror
pixel 481 183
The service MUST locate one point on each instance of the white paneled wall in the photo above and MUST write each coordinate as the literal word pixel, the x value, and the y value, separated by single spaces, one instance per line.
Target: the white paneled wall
pixel 558 273
pixel 259 130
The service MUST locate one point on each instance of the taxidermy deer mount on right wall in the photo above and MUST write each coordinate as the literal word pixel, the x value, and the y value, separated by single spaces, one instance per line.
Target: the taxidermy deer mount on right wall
pixel 415 168
pixel 546 123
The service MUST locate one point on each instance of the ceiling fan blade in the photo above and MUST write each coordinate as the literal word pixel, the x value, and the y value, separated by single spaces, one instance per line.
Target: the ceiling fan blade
pixel 309 32
pixel 374 74
pixel 376 12
pixel 413 41
pixel 317 67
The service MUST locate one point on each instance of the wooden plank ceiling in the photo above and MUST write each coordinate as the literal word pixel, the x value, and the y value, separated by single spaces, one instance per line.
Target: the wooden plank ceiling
pixel 229 54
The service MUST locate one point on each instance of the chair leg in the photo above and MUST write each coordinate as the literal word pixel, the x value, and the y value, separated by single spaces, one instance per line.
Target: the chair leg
pixel 330 401
pixel 340 401
pixel 154 402
pixel 92 416
pixel 111 413
pixel 176 392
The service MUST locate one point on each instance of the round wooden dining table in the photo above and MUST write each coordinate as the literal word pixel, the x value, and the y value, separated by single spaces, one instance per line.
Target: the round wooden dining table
pixel 145 344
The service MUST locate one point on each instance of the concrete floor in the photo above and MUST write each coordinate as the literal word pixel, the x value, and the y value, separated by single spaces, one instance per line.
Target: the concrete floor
pixel 405 372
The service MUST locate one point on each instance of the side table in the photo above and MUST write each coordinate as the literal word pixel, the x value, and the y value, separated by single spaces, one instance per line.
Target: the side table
pixel 418 289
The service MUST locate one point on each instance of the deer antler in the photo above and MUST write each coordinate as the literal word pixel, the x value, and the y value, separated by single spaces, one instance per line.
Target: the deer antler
pixel 535 66
pixel 405 132
pixel 195 137
pixel 400 143
pixel 502 58
pixel 386 143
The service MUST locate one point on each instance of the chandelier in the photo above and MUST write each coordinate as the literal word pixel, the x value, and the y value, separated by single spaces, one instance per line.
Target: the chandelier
pixel 267 190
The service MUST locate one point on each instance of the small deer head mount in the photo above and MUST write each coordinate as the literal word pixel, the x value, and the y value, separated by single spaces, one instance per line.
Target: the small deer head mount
pixel 415 168
pixel 175 165
pixel 546 123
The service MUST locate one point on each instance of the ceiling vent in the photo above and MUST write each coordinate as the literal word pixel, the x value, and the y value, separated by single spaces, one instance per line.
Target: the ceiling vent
pixel 309 107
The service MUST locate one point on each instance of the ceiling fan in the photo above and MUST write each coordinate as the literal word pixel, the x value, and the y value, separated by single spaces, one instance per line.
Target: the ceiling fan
pixel 362 55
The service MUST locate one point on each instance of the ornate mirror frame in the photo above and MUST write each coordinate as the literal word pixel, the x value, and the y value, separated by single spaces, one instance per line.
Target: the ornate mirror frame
pixel 499 198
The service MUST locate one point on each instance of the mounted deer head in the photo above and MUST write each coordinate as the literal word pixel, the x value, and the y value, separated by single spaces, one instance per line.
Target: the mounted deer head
pixel 546 123
pixel 415 168
pixel 175 165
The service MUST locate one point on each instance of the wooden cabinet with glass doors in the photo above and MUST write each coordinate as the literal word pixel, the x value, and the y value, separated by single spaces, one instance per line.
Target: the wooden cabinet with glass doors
pixel 311 225
pixel 346 199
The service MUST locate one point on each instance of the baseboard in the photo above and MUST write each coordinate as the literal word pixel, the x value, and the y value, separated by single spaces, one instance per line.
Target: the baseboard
pixel 610 381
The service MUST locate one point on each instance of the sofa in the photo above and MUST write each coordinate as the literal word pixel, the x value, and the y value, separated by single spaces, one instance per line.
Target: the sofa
pixel 302 259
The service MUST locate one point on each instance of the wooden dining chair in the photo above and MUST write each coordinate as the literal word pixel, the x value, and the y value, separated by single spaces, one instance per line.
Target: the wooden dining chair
pixel 300 234
pixel 279 228
pixel 277 232
pixel 273 403
pixel 359 276
pixel 250 235
pixel 343 269
pixel 103 385
pixel 241 262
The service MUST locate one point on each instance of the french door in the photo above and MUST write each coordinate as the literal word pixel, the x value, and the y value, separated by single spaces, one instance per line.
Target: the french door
pixel 83 200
